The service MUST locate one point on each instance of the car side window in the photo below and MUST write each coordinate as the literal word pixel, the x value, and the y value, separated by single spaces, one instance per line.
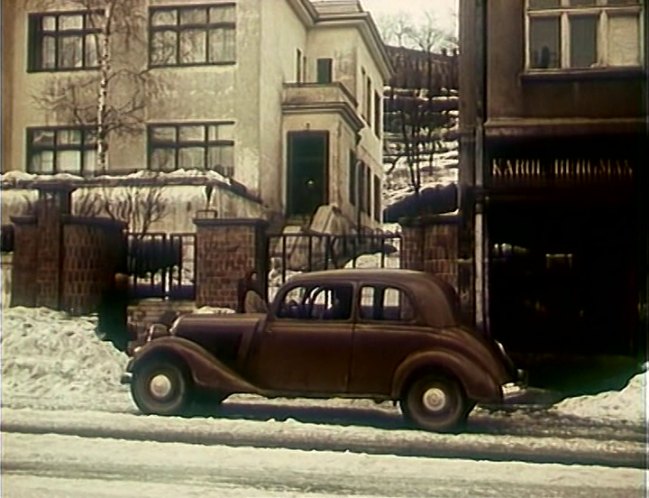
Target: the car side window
pixel 385 303
pixel 321 302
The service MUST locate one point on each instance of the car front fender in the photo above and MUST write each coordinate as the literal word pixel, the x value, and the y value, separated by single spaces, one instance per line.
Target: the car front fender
pixel 479 384
pixel 207 371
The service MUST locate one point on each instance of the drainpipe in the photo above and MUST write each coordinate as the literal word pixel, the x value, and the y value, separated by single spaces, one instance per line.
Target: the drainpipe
pixel 481 238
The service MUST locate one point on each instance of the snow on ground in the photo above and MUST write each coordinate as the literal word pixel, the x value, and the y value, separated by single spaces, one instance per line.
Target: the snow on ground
pixel 51 360
pixel 628 405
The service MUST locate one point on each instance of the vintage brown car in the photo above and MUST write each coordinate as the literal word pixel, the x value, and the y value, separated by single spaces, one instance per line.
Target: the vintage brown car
pixel 377 334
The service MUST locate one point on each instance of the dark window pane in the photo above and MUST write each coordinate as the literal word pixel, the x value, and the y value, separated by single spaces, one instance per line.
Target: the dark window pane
pixel 583 41
pixel 163 48
pixel 222 14
pixel 544 4
pixel 164 18
pixel 193 46
pixel 70 52
pixel 192 133
pixel 163 160
pixel 70 22
pixel 193 16
pixel 545 42
pixel 222 45
pixel 324 71
pixel 623 2
pixel 163 134
pixel 191 158
pixel 582 3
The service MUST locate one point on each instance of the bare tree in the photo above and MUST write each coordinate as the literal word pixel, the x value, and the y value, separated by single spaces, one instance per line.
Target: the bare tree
pixel 417 99
pixel 138 206
pixel 112 99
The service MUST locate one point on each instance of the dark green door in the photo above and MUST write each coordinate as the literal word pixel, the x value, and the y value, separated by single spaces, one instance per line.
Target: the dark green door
pixel 308 160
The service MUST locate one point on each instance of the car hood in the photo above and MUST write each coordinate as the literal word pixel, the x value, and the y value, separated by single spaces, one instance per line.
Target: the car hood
pixel 197 323
pixel 225 336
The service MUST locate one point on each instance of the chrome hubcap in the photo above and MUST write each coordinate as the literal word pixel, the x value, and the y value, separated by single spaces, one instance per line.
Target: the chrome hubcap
pixel 160 386
pixel 434 399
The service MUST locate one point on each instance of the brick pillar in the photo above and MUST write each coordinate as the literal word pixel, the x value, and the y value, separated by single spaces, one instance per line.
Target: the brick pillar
pixel 53 204
pixel 225 250
pixel 412 245
pixel 430 244
pixel 23 269
pixel 93 251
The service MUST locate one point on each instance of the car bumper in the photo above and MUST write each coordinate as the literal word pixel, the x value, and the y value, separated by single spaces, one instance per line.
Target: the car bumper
pixel 126 378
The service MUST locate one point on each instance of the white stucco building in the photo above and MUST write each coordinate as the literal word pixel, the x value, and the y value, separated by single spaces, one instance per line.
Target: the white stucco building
pixel 281 96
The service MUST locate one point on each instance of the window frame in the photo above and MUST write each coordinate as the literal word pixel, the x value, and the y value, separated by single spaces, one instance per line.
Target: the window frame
pixel 178 28
pixel 177 145
pixel 36 35
pixel 603 11
pixel 58 148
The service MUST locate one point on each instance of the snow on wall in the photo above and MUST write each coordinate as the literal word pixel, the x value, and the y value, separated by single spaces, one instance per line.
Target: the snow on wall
pixel 183 192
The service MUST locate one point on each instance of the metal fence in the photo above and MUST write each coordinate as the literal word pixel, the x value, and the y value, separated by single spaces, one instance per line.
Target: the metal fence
pixel 305 252
pixel 162 265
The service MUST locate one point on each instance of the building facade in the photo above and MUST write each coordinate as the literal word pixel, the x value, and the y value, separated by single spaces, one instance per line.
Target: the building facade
pixel 554 162
pixel 277 96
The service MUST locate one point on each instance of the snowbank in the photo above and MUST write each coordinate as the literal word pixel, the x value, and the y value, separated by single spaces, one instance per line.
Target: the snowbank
pixel 628 405
pixel 54 361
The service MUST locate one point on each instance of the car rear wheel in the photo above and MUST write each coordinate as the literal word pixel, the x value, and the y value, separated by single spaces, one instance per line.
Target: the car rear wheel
pixel 160 387
pixel 436 403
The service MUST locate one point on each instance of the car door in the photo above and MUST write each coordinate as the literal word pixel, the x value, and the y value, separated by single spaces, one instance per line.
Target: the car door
pixel 306 344
pixel 386 332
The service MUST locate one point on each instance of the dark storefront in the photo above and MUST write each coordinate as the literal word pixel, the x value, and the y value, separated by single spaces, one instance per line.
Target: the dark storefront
pixel 566 245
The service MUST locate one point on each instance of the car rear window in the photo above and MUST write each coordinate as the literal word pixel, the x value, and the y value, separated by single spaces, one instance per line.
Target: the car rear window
pixel 385 304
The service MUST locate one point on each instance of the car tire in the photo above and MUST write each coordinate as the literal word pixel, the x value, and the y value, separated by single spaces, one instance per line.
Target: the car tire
pixel 436 403
pixel 160 387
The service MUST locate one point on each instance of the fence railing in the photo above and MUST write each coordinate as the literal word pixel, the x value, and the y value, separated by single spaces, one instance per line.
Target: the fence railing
pixel 162 265
pixel 305 252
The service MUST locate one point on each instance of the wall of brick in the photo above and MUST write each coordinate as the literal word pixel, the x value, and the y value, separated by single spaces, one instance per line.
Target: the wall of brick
pixel 93 251
pixel 225 250
pixel 24 269
pixel 430 244
pixel 52 205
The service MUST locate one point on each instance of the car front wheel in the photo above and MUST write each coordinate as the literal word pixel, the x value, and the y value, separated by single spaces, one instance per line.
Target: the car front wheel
pixel 160 387
pixel 435 403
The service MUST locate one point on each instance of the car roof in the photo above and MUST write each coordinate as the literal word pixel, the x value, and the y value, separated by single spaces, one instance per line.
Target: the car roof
pixel 435 298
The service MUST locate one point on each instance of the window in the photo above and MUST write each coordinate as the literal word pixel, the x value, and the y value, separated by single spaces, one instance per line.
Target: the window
pixel 322 302
pixel 61 150
pixel 60 42
pixel 353 175
pixel 377 198
pixel 362 100
pixel 385 303
pixel 368 103
pixel 324 74
pixel 368 191
pixel 298 66
pixel 581 34
pixel 196 35
pixel 204 146
pixel 378 114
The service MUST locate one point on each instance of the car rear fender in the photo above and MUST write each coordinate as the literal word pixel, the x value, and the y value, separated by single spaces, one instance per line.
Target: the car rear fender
pixel 479 385
pixel 206 370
